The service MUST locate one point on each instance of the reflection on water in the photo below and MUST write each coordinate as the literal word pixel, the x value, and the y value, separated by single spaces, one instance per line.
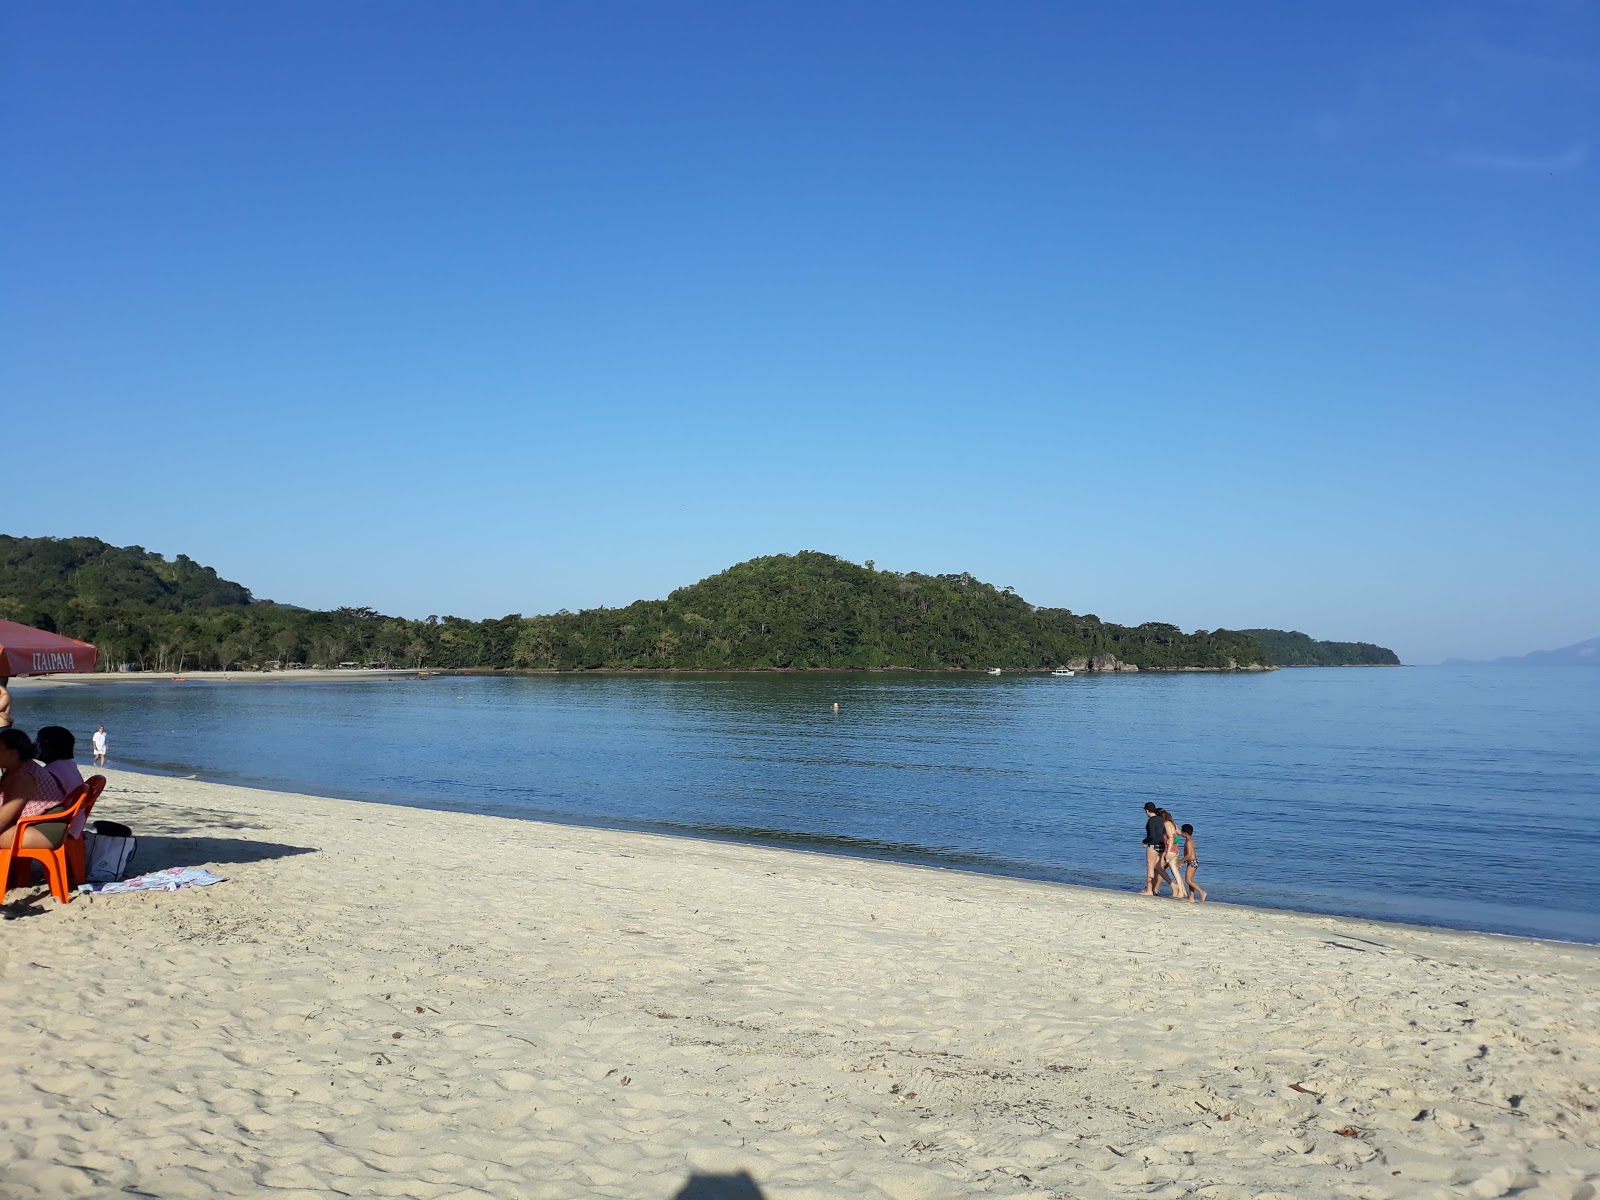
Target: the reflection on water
pixel 1431 795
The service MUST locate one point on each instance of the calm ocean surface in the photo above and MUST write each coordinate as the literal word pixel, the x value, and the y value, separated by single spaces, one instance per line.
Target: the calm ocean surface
pixel 1461 797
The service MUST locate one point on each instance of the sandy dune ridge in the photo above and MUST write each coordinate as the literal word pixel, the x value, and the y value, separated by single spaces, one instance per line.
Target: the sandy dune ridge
pixel 395 1002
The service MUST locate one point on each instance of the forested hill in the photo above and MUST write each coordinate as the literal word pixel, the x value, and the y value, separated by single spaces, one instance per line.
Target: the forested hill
pixel 815 610
pixel 806 610
pixel 88 573
pixel 1290 648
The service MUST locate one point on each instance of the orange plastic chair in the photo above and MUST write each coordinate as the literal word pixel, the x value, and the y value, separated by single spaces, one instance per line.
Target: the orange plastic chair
pixel 78 871
pixel 54 858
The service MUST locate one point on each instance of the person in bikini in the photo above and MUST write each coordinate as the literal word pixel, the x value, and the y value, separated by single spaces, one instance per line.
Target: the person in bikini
pixel 1170 870
pixel 1155 848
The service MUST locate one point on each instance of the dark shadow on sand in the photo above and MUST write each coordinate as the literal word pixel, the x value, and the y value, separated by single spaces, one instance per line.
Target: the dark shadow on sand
pixel 720 1187
pixel 25 906
pixel 157 852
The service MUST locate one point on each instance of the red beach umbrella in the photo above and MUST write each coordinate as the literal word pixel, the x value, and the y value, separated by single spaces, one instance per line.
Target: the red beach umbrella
pixel 25 650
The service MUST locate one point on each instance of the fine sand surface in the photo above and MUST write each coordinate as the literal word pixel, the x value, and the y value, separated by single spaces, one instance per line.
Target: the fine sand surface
pixel 395 1002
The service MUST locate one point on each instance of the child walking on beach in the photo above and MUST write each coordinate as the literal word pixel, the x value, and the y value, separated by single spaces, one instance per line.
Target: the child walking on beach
pixel 1190 863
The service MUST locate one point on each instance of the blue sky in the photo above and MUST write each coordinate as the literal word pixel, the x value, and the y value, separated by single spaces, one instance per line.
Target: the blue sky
pixel 1223 314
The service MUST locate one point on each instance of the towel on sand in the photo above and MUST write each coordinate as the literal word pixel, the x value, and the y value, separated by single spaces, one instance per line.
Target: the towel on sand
pixel 169 880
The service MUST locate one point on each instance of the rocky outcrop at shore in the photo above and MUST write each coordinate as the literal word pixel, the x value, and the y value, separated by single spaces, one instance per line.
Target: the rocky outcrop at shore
pixel 1107 663
pixel 1100 662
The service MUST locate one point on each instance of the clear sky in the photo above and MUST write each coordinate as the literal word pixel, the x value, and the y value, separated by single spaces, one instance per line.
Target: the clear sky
pixel 1223 314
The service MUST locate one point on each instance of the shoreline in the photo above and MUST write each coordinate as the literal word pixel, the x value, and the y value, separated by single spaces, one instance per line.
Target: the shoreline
pixel 325 674
pixel 961 844
pixel 402 1001
pixel 800 843
pixel 97 678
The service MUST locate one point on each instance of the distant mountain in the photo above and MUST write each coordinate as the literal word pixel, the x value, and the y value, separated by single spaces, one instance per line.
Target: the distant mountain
pixel 1290 648
pixel 1580 654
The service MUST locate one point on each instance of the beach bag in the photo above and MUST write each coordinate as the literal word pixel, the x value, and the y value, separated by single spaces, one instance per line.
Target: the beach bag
pixel 108 852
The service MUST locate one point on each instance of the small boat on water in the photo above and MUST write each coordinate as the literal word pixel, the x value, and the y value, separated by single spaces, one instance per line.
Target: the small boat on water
pixel 1063 671
pixel 994 670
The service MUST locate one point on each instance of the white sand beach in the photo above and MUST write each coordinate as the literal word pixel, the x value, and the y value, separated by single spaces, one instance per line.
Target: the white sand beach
pixel 394 1002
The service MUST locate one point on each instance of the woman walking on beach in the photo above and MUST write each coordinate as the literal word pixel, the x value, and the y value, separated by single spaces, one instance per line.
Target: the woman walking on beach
pixel 1155 847
pixel 1169 857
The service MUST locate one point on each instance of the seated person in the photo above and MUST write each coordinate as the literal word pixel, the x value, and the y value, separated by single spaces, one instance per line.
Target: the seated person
pixel 26 790
pixel 56 747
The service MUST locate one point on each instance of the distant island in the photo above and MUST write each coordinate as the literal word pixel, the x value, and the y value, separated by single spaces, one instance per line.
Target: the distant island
pixel 804 611
pixel 1293 649
pixel 1579 654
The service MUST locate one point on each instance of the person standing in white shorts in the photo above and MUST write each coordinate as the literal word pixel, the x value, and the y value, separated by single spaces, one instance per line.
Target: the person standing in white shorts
pixel 98 741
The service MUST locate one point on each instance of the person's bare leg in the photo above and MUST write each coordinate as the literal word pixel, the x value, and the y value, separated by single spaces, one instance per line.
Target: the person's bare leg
pixel 1179 892
pixel 1152 864
pixel 1164 876
pixel 1194 888
pixel 34 840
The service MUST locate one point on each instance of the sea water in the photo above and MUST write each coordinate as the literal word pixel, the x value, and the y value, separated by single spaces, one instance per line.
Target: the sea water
pixel 1459 797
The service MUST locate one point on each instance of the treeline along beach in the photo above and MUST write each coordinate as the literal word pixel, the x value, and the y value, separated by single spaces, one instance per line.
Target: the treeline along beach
pixel 801 611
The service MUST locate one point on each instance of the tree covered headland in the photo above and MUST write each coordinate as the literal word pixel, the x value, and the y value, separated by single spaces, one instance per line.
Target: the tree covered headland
pixel 1290 648
pixel 797 611
pixel 815 610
